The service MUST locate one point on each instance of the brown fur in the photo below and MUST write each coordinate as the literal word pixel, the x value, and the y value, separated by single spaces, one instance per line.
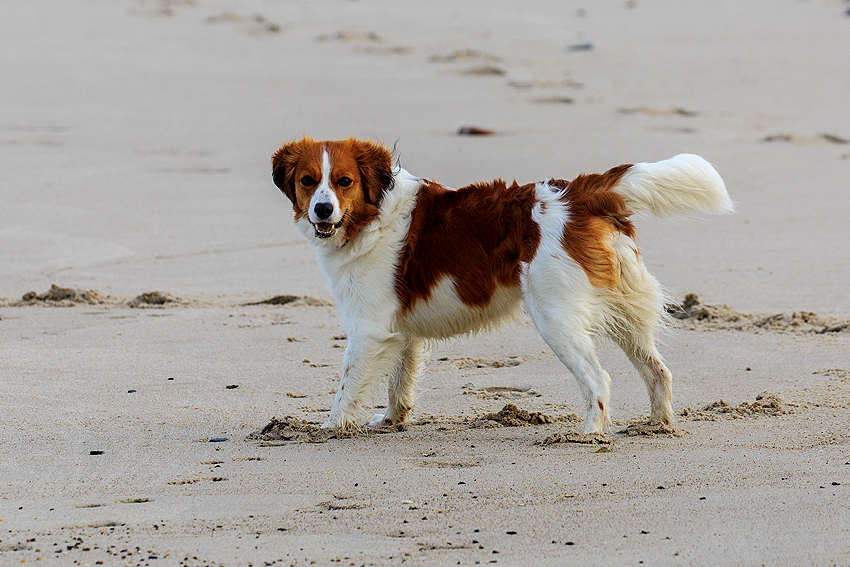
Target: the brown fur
pixel 367 164
pixel 477 235
pixel 595 213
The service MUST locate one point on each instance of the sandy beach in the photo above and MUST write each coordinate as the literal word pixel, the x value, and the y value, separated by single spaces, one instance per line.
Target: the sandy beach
pixel 157 409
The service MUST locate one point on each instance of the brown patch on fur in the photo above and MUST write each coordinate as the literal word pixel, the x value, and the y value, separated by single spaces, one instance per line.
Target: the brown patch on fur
pixel 367 164
pixel 599 403
pixel 596 212
pixel 477 235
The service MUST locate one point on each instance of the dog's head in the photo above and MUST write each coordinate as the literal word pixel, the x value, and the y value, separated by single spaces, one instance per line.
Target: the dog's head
pixel 336 188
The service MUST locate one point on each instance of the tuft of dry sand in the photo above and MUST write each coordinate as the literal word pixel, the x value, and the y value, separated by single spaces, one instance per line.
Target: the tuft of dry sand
pixel 695 315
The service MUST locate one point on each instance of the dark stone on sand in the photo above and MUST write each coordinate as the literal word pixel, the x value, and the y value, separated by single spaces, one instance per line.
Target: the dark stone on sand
pixel 218 439
pixel 131 391
pixel 474 131
pixel 232 386
pixel 95 452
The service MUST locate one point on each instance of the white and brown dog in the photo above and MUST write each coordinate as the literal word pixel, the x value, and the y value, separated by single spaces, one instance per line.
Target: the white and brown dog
pixel 409 260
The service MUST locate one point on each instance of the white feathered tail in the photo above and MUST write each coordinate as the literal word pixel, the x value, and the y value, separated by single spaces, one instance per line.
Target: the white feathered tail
pixel 677 185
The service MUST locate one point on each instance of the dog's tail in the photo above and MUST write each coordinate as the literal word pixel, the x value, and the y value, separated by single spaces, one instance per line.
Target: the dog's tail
pixel 677 185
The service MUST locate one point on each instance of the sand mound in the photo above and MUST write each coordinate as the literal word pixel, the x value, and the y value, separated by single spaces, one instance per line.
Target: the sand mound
pixel 766 404
pixel 512 416
pixel 580 438
pixel 294 430
pixel 698 316
pixel 652 430
pixel 297 431
pixel 152 299
pixel 63 296
pixel 295 300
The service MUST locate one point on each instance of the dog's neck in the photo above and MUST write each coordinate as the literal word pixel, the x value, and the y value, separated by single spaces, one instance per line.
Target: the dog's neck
pixel 388 228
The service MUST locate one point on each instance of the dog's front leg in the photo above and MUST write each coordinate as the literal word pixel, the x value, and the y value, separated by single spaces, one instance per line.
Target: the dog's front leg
pixel 367 358
pixel 401 385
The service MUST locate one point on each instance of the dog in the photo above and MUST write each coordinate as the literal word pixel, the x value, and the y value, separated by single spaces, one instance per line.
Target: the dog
pixel 410 261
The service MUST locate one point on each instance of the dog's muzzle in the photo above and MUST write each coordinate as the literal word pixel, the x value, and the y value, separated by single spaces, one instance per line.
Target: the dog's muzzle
pixel 325 229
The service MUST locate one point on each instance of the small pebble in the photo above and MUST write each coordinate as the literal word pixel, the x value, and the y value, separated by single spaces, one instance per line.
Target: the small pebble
pixel 660 488
pixel 232 386
pixel 474 131
pixel 95 452
pixel 131 391
pixel 218 439
pixel 836 484
pixel 644 532
pixel 514 533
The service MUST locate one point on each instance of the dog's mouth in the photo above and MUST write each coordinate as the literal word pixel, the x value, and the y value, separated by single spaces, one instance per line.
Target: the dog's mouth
pixel 326 229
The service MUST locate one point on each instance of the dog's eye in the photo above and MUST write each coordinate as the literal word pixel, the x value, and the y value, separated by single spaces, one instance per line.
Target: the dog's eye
pixel 307 181
pixel 344 182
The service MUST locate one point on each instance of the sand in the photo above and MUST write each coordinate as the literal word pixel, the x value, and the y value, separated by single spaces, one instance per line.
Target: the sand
pixel 168 346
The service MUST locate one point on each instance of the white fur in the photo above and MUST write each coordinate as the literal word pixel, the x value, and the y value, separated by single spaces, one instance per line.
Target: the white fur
pixel 361 276
pixel 324 194
pixel 682 183
pixel 567 309
pixel 444 315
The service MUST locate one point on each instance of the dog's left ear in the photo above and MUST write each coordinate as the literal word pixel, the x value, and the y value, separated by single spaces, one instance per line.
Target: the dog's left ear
pixel 376 168
pixel 284 161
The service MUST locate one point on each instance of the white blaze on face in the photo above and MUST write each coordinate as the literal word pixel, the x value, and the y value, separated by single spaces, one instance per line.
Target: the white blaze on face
pixel 325 195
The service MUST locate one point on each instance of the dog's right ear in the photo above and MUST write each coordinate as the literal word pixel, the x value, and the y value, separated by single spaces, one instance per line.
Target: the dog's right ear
pixel 284 161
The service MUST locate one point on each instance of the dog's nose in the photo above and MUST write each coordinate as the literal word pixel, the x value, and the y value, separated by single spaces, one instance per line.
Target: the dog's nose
pixel 323 210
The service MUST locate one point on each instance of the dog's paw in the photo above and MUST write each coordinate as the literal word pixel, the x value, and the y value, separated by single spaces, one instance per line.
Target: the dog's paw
pixel 380 421
pixel 595 427
pixel 339 421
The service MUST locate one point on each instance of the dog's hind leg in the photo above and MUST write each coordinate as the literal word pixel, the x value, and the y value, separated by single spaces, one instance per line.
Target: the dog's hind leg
pixel 566 311
pixel 401 385
pixel 638 316
pixel 656 376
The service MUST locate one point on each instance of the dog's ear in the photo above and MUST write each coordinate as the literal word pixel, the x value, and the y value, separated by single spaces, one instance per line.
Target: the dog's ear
pixel 376 168
pixel 283 166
